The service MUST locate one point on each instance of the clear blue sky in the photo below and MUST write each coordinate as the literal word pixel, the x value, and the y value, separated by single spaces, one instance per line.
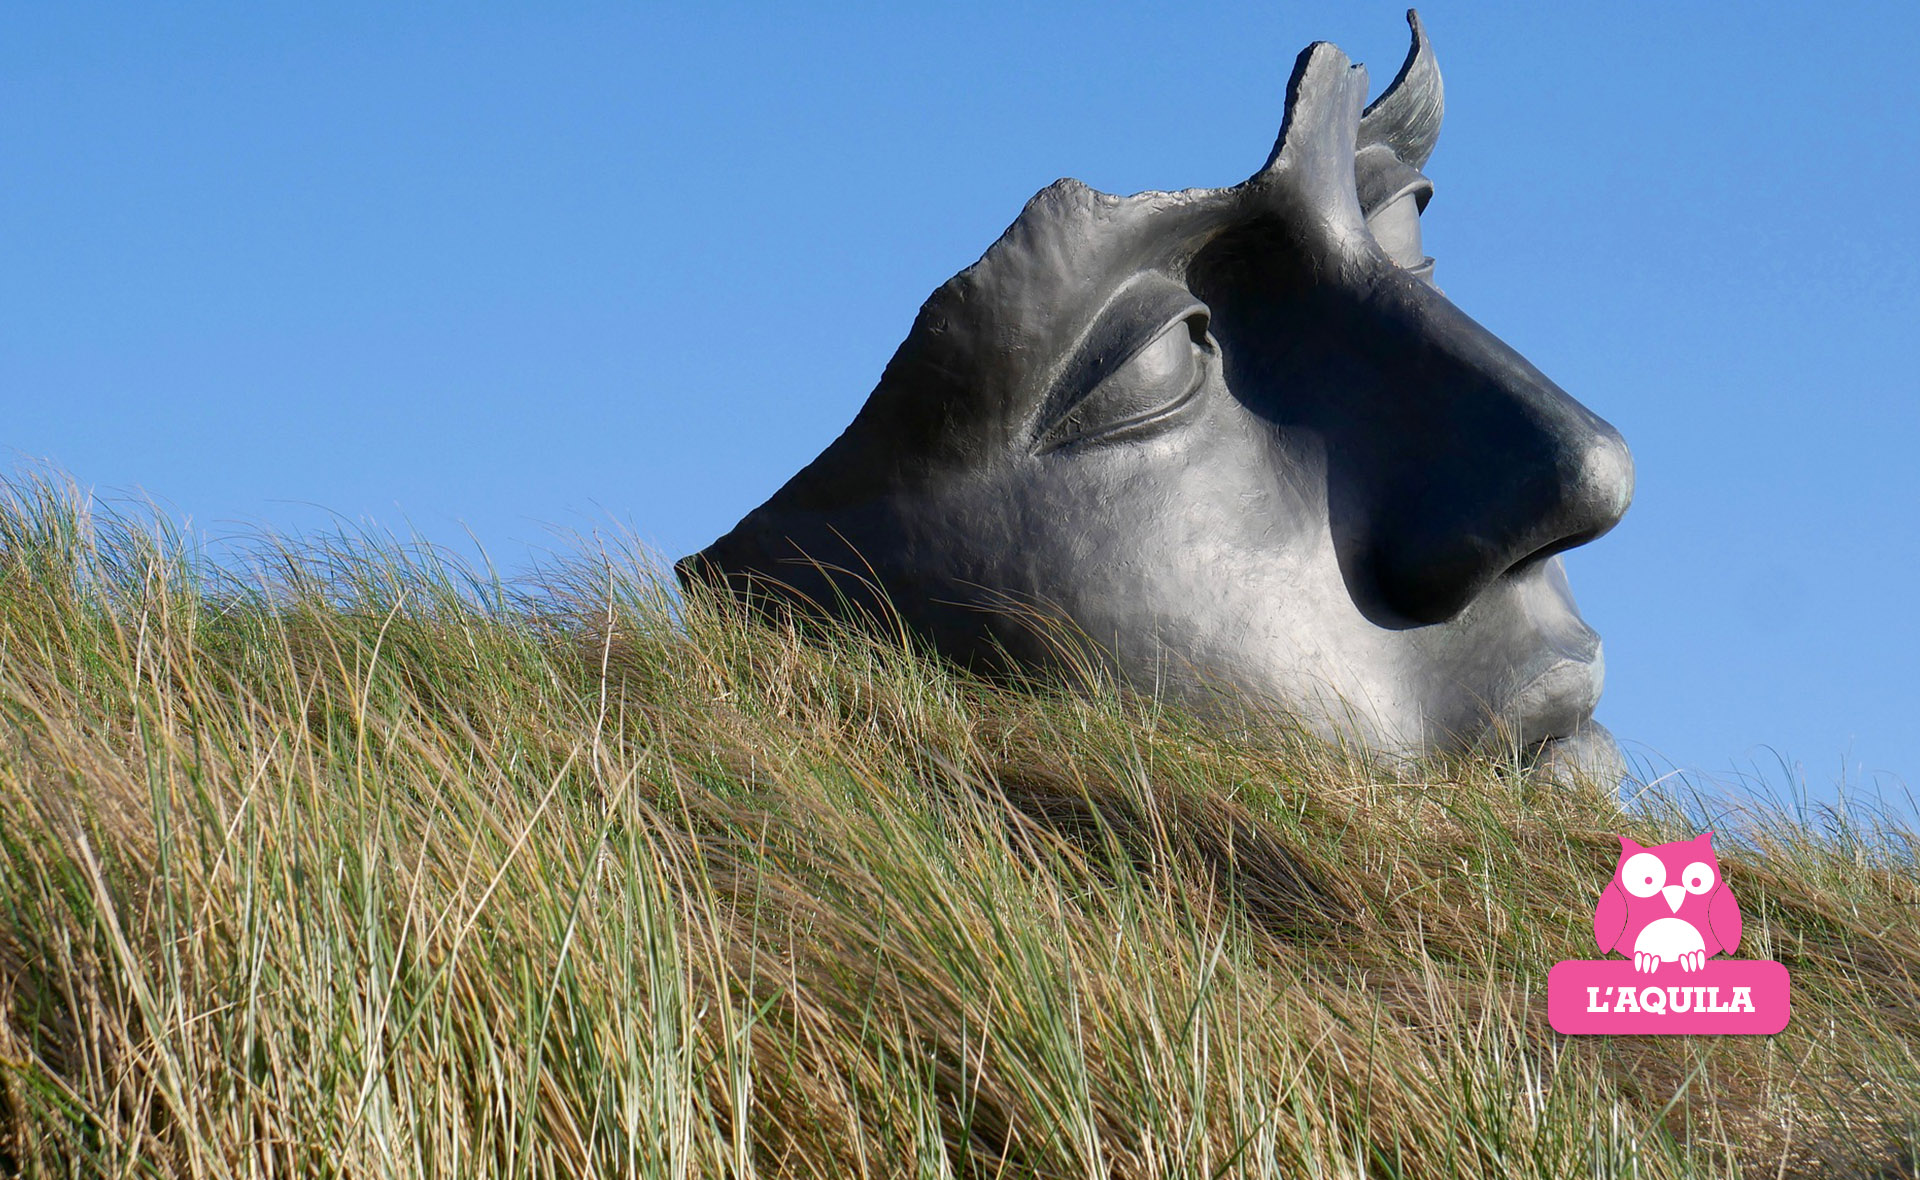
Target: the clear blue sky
pixel 500 267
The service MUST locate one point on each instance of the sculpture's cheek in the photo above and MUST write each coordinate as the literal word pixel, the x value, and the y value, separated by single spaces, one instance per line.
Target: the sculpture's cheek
pixel 1199 558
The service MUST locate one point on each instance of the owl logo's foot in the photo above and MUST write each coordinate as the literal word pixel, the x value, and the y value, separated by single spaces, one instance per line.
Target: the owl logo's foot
pixel 1693 960
pixel 1645 961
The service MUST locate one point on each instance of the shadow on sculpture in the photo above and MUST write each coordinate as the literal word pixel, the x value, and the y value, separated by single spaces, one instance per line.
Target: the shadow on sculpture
pixel 1233 437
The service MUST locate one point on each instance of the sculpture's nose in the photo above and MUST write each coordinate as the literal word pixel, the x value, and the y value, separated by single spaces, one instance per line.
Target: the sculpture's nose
pixel 1494 467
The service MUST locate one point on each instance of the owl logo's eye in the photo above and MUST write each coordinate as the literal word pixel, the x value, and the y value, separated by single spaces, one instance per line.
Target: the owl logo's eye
pixel 1644 874
pixel 1698 877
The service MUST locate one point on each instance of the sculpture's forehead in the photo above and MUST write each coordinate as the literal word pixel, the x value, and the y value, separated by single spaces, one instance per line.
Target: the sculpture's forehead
pixel 1072 245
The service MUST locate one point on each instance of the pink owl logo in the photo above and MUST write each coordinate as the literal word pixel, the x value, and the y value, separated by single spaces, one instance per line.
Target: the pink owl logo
pixel 1667 904
pixel 1669 910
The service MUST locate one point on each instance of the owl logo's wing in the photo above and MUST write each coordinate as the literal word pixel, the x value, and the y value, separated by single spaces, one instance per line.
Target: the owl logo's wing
pixel 1610 917
pixel 1723 918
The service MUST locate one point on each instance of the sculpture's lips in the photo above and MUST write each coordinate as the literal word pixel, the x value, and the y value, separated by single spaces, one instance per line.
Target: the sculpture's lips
pixel 1560 694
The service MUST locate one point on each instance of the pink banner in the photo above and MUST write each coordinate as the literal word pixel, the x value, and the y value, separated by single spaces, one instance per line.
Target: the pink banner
pixel 1719 996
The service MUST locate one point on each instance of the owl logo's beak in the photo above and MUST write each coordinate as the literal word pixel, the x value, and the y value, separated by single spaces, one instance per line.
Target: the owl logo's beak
pixel 1675 894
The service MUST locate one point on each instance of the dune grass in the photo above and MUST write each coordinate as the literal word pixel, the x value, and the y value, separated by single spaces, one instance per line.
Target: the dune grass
pixel 343 859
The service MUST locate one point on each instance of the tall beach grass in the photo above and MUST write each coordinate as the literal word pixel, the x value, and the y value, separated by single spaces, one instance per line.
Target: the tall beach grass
pixel 341 858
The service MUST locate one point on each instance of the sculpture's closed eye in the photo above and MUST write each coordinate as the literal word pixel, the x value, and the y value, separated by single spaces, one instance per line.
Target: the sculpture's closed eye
pixel 1144 392
pixel 1397 228
pixel 1393 194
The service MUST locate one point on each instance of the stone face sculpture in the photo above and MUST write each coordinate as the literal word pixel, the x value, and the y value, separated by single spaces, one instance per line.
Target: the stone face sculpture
pixel 1237 440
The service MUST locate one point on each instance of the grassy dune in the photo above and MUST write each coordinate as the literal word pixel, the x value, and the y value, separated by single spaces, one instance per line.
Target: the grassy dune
pixel 358 863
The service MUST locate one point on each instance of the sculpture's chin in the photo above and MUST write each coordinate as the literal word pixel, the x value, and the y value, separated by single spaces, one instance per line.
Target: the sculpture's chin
pixel 1587 755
